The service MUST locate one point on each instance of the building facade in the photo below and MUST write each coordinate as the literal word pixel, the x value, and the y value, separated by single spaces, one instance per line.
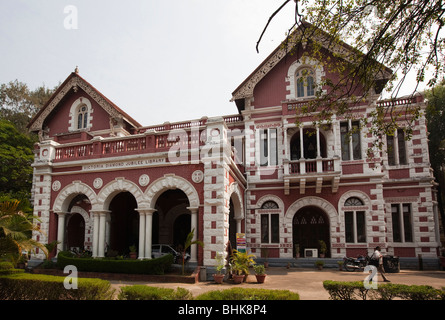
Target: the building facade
pixel 102 182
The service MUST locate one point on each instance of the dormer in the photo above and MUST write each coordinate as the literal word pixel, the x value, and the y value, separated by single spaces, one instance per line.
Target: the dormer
pixel 77 111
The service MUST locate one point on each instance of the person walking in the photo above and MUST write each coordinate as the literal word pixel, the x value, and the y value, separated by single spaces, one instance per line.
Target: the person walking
pixel 377 255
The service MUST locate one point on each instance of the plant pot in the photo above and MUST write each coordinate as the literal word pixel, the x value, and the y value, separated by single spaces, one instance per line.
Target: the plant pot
pixel 133 255
pixel 218 278
pixel 260 278
pixel 238 278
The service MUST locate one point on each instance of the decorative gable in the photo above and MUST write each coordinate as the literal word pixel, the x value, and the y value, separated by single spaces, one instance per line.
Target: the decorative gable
pixel 81 110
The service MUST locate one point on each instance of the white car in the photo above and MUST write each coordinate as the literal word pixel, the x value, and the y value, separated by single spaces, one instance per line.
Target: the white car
pixel 159 250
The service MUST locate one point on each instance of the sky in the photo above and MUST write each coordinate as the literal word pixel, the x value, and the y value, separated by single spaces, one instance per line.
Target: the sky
pixel 157 60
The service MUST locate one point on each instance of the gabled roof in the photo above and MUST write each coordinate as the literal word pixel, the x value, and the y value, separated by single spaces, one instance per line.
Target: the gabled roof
pixel 73 82
pixel 245 89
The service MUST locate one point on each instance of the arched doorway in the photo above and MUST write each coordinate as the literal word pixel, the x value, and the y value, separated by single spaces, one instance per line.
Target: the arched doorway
pixel 310 225
pixel 124 223
pixel 75 230
pixel 172 220
pixel 181 228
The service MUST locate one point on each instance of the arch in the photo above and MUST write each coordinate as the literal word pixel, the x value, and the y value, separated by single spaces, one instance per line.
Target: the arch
pixel 236 196
pixel 68 193
pixel 270 197
pixel 74 110
pixel 354 193
pixel 114 187
pixel 168 182
pixel 326 206
pixel 299 64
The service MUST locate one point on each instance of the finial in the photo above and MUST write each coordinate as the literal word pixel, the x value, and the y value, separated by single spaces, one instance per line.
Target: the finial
pixel 76 70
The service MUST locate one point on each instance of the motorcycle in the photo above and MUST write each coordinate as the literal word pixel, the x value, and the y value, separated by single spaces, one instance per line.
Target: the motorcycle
pixel 353 264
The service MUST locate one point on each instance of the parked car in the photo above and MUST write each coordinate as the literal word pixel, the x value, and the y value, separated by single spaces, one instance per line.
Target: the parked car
pixel 159 250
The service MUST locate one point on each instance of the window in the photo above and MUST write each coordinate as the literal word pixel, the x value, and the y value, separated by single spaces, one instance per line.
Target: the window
pixel 82 117
pixel 396 147
pixel 304 78
pixel 268 147
pixel 355 222
pixel 270 229
pixel 402 230
pixel 350 140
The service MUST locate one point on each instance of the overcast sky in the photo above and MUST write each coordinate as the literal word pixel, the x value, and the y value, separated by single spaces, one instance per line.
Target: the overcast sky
pixel 158 60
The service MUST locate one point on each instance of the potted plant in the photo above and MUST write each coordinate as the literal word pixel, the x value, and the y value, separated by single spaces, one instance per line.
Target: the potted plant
pixel 340 265
pixel 242 261
pixel 133 252
pixel 319 264
pixel 260 273
pixel 323 248
pixel 218 276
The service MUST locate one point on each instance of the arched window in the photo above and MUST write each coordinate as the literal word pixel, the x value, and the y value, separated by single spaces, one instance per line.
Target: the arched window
pixel 82 117
pixel 270 229
pixel 269 205
pixel 353 202
pixel 355 221
pixel 304 79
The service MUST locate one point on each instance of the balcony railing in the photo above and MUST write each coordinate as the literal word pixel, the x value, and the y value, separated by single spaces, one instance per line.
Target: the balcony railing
pixel 311 166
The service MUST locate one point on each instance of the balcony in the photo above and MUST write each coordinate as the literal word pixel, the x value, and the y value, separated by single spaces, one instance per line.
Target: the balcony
pixel 306 171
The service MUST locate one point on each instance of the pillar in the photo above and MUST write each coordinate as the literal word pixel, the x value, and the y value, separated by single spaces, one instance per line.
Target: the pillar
pixel 194 226
pixel 60 231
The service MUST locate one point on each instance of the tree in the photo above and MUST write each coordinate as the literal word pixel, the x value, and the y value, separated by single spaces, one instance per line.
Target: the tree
pixel 374 46
pixel 16 157
pixel 19 104
pixel 188 242
pixel 435 115
pixel 16 230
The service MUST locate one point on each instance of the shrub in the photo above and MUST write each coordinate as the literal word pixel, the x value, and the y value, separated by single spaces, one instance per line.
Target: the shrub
pixel 249 294
pixel 339 290
pixel 27 286
pixel 142 292
pixel 151 266
pixel 5 265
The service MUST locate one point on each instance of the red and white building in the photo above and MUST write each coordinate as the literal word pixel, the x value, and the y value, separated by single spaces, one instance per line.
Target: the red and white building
pixel 102 182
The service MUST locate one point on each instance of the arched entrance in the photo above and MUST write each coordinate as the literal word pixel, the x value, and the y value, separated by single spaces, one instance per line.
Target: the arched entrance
pixel 172 220
pixel 75 232
pixel 124 223
pixel 310 225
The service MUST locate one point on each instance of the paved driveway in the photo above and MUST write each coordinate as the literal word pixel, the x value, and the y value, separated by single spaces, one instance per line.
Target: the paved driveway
pixel 307 282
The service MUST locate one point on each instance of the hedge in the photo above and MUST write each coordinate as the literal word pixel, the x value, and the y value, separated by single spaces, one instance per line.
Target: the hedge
pixel 25 286
pixel 354 290
pixel 142 292
pixel 156 266
pixel 249 294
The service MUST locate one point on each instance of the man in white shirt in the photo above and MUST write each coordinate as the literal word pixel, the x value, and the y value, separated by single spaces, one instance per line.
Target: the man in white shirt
pixel 378 255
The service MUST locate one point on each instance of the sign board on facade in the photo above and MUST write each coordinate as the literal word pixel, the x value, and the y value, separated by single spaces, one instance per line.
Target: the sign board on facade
pixel 241 242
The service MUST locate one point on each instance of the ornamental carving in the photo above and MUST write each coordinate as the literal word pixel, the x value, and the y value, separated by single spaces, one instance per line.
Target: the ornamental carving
pixel 144 180
pixel 98 183
pixel 56 185
pixel 74 83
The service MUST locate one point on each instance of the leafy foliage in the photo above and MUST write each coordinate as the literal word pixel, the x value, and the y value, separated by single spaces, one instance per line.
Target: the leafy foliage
pixel 370 45
pixel 16 230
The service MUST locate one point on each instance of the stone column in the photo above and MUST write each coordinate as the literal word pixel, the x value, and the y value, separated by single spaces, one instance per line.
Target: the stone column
pixel 102 237
pixel 99 233
pixel 194 226
pixel 148 232
pixel 60 231
pixel 95 233
pixel 141 234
